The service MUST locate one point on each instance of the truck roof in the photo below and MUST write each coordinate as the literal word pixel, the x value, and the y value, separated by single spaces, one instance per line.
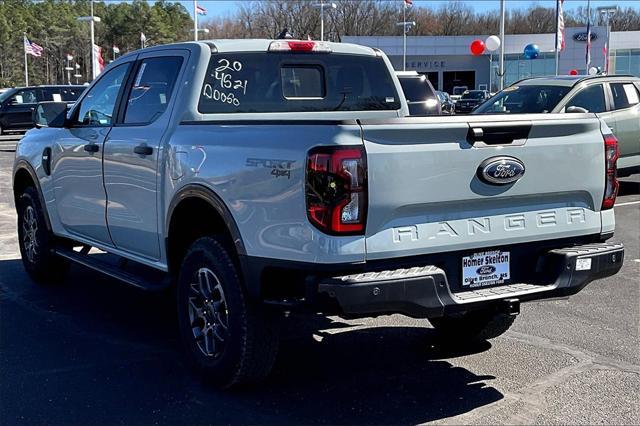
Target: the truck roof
pixel 570 80
pixel 262 45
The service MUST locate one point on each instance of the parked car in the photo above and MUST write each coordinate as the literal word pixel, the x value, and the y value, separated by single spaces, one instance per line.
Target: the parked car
pixel 446 104
pixel 260 176
pixel 614 98
pixel 17 104
pixel 457 92
pixel 420 94
pixel 470 100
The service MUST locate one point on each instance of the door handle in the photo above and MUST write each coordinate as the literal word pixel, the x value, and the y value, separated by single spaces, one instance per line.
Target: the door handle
pixel 91 147
pixel 143 150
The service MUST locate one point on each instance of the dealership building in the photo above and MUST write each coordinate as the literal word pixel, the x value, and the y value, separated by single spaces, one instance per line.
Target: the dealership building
pixel 447 61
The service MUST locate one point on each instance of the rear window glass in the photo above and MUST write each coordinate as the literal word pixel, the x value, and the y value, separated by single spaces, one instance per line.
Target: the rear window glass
pixel 286 82
pixel 416 89
pixel 527 99
pixel 474 94
pixel 624 95
pixel 302 81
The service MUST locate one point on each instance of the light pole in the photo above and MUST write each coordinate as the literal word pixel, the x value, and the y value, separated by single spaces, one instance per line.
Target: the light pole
pixel 501 60
pixel 406 27
pixel 92 20
pixel 607 12
pixel 321 6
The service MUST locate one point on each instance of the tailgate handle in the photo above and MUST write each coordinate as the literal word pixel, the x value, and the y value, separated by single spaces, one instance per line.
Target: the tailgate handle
pixel 498 135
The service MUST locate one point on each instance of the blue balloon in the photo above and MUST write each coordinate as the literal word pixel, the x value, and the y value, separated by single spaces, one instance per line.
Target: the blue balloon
pixel 531 51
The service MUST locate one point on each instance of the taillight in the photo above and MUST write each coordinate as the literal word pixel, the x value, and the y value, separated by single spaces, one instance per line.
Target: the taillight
pixel 336 189
pixel 611 154
pixel 299 46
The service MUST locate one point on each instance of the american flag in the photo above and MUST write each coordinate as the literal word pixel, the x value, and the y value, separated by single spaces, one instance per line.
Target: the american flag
pixel 32 48
pixel 560 26
pixel 408 3
pixel 201 10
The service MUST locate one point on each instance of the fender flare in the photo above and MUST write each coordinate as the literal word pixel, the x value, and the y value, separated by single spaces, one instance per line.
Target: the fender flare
pixel 206 194
pixel 24 165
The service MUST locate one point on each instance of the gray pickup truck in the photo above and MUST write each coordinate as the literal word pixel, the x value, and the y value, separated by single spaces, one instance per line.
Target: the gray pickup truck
pixel 258 177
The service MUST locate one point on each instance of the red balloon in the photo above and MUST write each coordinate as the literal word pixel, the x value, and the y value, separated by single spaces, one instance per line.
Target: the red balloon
pixel 477 47
pixel 573 72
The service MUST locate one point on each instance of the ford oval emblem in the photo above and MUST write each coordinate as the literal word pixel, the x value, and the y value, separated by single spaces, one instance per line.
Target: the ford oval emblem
pixel 486 270
pixel 501 170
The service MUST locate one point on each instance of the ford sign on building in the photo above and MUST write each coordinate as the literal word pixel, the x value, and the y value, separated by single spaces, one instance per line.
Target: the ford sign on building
pixel 446 60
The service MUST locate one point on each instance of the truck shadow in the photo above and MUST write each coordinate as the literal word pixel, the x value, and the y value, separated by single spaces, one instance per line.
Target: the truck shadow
pixel 95 351
pixel 629 187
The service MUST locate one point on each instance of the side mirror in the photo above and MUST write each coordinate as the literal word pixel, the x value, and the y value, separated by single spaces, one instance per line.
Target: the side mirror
pixel 50 114
pixel 576 109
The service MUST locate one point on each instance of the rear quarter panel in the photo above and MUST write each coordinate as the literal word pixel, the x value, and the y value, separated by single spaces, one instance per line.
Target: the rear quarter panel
pixel 258 170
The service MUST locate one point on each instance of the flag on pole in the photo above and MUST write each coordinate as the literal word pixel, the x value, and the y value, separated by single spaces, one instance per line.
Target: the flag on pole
pixel 408 3
pixel 69 57
pixel 560 26
pixel 98 62
pixel 202 11
pixel 116 49
pixel 31 48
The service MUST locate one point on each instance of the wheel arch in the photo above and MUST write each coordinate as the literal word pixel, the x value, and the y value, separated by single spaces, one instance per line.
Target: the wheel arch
pixel 196 202
pixel 25 176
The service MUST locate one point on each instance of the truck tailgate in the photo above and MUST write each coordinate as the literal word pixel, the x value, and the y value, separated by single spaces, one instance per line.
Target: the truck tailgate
pixel 426 196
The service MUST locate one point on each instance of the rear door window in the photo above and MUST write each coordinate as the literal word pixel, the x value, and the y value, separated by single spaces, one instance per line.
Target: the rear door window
pixel 70 94
pixel 152 88
pixel 50 94
pixel 590 98
pixel 291 82
pixel 625 95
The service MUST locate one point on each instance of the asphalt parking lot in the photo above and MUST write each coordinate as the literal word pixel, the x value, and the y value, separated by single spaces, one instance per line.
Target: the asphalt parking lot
pixel 93 351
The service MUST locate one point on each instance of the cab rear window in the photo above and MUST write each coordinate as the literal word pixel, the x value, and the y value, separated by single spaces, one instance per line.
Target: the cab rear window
pixel 290 82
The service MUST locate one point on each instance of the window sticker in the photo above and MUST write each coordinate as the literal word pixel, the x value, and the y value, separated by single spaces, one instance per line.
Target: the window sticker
pixel 632 94
pixel 57 97
pixel 140 73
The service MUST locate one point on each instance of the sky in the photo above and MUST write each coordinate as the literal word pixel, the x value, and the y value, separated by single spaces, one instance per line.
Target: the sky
pixel 217 8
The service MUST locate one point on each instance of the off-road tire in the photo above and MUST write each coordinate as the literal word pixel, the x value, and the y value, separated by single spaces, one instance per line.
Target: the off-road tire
pixel 473 326
pixel 40 261
pixel 249 349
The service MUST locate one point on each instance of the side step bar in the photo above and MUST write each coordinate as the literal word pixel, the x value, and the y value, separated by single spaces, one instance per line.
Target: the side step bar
pixel 151 281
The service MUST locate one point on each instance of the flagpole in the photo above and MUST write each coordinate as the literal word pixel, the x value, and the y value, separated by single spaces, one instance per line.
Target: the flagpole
pixel 588 55
pixel 557 29
pixel 501 59
pixel 26 67
pixel 195 20
pixel 404 36
pixel 93 40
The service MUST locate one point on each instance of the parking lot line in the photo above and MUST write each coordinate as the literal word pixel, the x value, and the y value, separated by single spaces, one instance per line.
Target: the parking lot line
pixel 627 204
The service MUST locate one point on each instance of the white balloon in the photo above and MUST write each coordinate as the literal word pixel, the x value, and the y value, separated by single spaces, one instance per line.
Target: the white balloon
pixel 492 43
pixel 593 71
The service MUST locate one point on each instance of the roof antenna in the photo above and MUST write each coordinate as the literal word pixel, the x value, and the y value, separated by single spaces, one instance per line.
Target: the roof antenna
pixel 284 34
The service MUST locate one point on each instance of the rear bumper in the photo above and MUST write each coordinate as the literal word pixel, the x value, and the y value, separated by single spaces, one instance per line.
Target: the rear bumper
pixel 425 292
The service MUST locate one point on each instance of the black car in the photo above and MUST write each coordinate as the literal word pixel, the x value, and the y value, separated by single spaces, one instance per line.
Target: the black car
pixel 17 104
pixel 446 104
pixel 471 99
pixel 420 94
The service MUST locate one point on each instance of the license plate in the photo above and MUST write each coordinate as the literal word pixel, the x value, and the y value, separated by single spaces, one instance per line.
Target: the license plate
pixel 486 268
